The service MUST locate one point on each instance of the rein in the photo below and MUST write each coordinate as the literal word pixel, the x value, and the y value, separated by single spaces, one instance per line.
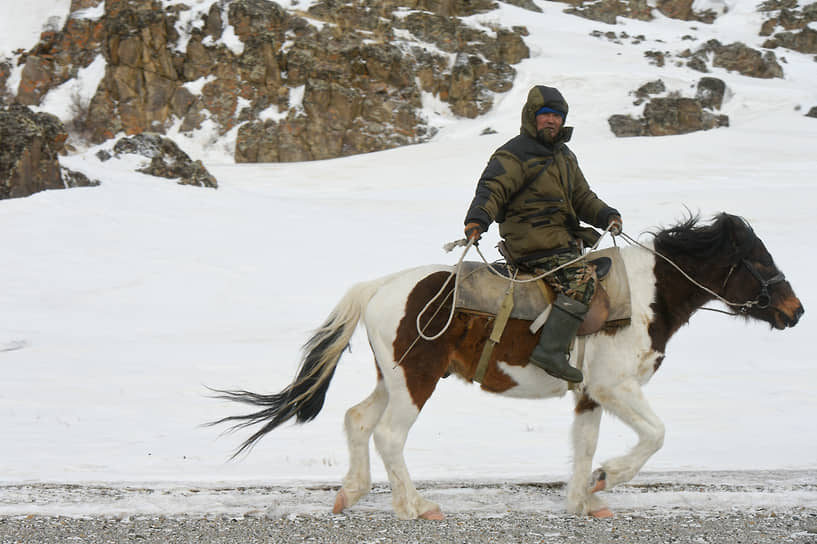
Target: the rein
pixel 456 275
pixel 762 301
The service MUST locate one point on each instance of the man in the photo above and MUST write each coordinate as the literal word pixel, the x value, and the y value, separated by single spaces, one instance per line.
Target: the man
pixel 534 189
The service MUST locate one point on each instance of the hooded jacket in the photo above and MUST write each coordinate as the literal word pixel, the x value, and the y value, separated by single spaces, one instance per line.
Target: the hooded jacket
pixel 536 190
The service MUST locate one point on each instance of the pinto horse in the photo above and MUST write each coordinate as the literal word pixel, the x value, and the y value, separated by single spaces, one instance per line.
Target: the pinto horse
pixel 679 271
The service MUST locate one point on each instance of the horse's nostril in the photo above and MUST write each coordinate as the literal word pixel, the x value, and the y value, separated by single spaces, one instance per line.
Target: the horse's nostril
pixel 798 312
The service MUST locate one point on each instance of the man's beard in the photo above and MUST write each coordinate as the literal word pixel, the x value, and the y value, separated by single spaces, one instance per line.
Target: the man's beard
pixel 546 136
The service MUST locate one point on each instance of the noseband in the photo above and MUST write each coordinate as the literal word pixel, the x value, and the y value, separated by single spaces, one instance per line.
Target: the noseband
pixel 763 299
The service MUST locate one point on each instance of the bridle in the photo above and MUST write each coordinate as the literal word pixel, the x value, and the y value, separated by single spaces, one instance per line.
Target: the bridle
pixel 763 299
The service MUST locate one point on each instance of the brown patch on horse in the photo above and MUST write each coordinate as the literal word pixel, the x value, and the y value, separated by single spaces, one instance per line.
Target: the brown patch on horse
pixel 513 349
pixel 424 362
pixel 657 363
pixel 459 349
pixel 678 300
pixel 468 335
pixel 585 404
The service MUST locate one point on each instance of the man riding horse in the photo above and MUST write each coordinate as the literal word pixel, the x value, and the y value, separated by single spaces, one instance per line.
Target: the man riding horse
pixel 534 189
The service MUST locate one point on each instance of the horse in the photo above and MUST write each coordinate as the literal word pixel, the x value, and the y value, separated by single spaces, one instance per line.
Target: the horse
pixel 680 270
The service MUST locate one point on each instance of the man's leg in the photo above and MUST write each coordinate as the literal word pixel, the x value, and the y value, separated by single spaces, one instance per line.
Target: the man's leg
pixel 574 287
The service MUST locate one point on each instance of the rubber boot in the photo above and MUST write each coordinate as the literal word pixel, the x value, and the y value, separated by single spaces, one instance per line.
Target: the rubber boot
pixel 552 352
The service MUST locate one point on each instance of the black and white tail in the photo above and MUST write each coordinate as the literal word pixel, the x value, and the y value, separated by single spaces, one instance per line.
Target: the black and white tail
pixel 304 397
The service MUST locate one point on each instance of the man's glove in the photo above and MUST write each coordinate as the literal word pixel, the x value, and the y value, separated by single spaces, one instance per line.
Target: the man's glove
pixel 473 232
pixel 615 225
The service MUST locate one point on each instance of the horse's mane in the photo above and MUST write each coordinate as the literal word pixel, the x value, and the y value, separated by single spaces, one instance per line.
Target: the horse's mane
pixel 727 235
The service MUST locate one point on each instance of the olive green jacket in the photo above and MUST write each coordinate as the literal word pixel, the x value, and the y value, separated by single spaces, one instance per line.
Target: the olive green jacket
pixel 536 191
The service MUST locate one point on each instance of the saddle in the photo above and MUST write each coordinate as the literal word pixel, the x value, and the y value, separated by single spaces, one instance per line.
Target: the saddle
pixel 482 291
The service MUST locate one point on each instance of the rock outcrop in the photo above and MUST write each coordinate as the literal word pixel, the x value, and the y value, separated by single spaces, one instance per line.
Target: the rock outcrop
pixel 670 115
pixel 796 33
pixel 29 155
pixel 607 11
pixel 164 159
pixel 339 79
pixel 736 57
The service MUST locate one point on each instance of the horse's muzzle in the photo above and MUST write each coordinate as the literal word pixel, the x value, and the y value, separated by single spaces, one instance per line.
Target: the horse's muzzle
pixel 789 313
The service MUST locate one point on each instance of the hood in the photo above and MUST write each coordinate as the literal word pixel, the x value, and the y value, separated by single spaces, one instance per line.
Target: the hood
pixel 537 97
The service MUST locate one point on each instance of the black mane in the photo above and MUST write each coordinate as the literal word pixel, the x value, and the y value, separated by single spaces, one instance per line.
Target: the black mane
pixel 726 236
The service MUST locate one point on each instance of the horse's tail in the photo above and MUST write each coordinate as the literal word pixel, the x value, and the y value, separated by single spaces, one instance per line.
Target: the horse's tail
pixel 304 397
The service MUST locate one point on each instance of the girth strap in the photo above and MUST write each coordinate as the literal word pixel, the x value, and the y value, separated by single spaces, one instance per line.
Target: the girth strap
pixel 496 333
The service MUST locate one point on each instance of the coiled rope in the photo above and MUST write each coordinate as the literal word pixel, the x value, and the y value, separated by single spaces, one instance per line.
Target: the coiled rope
pixel 456 275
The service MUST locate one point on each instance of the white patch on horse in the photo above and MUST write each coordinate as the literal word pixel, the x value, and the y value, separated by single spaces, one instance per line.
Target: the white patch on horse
pixel 532 382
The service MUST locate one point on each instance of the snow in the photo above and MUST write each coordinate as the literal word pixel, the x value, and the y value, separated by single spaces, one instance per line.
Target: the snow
pixel 120 303
pixel 75 95
pixel 24 21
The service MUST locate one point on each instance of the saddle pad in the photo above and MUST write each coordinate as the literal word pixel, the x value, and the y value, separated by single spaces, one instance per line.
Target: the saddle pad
pixel 481 290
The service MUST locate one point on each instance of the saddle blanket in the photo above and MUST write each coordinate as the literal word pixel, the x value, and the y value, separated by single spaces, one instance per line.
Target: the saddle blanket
pixel 481 290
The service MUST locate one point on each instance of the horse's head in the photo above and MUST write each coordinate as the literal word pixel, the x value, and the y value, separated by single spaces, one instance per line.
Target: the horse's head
pixel 755 280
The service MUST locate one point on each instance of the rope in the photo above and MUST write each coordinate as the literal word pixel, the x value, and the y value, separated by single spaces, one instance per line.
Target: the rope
pixel 471 243
pixel 456 275
pixel 743 305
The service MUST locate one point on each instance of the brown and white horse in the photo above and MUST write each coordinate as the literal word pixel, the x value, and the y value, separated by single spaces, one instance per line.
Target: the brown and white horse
pixel 725 256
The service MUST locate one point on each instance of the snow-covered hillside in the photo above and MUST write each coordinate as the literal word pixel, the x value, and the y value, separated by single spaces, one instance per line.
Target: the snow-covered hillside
pixel 120 303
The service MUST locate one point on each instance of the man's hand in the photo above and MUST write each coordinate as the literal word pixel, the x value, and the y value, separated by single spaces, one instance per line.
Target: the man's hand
pixel 615 225
pixel 473 232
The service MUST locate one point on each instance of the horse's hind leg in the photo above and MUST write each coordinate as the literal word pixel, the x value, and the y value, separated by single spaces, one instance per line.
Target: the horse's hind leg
pixel 390 439
pixel 359 422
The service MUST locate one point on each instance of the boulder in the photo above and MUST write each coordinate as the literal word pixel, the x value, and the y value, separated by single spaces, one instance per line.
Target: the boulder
pixel 812 112
pixel 166 159
pixel 804 41
pixel 652 87
pixel 626 126
pixel 710 92
pixel 29 156
pixel 683 9
pixel 665 116
pixel 606 11
pixel 672 114
pixel 736 57
pixel 747 61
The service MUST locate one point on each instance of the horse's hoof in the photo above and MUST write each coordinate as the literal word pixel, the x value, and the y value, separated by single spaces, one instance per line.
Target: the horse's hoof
pixel 435 514
pixel 599 481
pixel 603 513
pixel 340 502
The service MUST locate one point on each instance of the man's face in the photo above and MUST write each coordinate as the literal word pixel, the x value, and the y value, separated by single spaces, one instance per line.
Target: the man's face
pixel 548 124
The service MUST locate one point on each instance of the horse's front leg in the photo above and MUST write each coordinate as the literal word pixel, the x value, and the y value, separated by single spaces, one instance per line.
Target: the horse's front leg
pixel 627 402
pixel 581 499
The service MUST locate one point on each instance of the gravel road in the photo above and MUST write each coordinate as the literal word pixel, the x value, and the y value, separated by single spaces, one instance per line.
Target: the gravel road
pixel 703 508
pixel 726 527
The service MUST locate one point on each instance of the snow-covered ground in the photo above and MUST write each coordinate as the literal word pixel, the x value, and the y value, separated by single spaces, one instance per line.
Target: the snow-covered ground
pixel 120 303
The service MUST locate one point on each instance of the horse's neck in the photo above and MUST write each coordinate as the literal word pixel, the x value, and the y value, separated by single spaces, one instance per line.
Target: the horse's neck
pixel 677 298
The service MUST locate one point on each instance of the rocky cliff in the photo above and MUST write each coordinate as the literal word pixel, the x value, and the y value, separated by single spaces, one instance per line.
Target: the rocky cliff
pixel 339 79
pixel 343 76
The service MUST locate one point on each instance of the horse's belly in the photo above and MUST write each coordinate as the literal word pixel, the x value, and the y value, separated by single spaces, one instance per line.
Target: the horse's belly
pixel 531 382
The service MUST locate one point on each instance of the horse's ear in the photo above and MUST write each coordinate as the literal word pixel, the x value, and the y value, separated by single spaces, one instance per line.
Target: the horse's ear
pixel 737 229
